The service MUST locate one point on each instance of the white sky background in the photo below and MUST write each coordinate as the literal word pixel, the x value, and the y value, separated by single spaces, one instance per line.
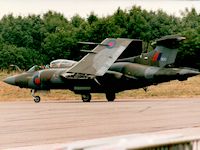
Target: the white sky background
pixel 83 7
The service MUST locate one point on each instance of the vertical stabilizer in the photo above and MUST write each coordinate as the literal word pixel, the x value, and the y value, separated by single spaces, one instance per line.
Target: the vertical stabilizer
pixel 163 55
pixel 165 52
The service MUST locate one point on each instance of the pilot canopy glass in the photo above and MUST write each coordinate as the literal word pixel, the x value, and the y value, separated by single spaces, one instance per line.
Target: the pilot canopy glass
pixel 34 68
pixel 60 63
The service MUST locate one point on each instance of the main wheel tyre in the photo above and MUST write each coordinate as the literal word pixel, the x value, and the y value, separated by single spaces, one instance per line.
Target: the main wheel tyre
pixel 110 97
pixel 36 99
pixel 86 97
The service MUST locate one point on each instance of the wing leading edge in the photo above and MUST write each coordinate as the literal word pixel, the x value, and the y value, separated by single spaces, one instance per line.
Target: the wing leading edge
pixel 101 58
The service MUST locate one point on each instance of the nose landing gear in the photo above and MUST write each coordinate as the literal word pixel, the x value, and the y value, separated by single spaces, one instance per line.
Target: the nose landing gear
pixel 35 98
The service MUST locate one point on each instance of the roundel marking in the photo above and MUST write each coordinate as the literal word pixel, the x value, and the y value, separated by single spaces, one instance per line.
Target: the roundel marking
pixel 111 44
pixel 37 81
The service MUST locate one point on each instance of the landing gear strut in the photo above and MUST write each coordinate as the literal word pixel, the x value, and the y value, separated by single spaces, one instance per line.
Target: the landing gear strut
pixel 35 98
pixel 110 97
pixel 145 89
pixel 86 97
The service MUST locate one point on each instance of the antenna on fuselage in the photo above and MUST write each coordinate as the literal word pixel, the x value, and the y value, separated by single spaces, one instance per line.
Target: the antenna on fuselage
pixel 16 67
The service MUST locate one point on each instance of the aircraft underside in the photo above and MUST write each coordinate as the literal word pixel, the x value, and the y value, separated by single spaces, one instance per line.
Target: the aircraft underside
pixel 108 86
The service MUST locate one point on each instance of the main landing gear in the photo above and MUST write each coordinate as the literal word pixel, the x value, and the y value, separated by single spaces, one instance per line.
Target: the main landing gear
pixel 35 98
pixel 110 97
pixel 87 97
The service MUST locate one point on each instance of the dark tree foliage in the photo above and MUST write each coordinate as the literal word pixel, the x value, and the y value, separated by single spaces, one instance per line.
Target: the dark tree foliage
pixel 26 41
pixel 189 53
pixel 92 18
pixel 22 32
pixel 20 56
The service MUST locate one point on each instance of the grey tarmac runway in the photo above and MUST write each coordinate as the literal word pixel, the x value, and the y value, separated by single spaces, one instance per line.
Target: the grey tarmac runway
pixel 49 122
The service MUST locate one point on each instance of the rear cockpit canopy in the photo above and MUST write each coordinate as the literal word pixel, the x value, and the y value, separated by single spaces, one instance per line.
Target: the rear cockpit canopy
pixel 62 63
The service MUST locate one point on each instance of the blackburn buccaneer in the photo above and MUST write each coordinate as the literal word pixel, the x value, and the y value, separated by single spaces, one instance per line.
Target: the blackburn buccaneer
pixel 103 70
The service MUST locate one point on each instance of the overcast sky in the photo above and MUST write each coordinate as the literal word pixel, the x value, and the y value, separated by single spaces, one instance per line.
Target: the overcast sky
pixel 83 7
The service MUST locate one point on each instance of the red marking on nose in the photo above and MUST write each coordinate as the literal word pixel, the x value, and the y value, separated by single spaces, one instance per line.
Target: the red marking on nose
pixel 37 81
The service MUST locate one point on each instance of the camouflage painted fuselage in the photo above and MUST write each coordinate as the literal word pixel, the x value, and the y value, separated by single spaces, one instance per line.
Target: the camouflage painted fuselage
pixel 121 76
pixel 100 71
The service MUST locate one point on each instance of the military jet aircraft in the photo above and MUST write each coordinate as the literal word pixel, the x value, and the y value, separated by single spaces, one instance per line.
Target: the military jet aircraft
pixel 102 70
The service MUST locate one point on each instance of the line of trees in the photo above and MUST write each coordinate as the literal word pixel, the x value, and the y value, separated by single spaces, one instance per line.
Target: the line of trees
pixel 39 39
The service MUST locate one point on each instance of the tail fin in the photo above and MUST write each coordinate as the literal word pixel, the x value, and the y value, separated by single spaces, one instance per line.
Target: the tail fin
pixel 166 51
pixel 163 55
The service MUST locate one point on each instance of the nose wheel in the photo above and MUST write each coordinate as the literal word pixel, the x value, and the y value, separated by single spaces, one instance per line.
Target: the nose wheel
pixel 35 98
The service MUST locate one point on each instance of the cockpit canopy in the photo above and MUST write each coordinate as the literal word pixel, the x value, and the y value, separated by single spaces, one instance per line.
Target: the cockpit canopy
pixel 62 63
pixel 35 68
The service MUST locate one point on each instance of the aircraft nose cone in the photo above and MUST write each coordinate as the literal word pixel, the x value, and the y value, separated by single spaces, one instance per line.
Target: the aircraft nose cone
pixel 10 80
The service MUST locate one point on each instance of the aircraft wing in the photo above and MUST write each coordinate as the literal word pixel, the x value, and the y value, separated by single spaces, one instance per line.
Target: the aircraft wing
pixel 99 60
